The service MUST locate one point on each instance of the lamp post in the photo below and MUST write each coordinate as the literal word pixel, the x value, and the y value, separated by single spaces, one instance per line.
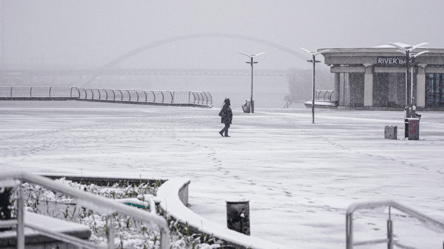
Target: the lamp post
pixel 313 83
pixel 251 62
pixel 2 20
pixel 407 50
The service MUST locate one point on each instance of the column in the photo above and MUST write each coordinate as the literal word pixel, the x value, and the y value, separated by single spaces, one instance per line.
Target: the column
pixel 368 85
pixel 335 96
pixel 420 86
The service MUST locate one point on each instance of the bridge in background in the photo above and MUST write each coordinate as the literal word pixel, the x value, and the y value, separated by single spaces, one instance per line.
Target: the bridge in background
pixel 142 71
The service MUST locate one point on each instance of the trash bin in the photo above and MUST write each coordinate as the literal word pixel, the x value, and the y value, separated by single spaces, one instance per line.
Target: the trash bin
pixel 391 132
pixel 412 128
pixel 247 106
pixel 238 216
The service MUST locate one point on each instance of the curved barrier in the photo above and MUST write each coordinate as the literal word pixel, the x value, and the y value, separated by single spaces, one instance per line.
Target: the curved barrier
pixel 322 98
pixel 323 95
pixel 173 196
pixel 180 98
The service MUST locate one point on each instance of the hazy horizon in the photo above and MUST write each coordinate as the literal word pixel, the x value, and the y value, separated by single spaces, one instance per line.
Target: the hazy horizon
pixel 80 33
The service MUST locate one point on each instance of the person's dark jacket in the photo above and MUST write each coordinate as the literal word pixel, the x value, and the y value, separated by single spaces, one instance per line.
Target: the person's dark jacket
pixel 226 115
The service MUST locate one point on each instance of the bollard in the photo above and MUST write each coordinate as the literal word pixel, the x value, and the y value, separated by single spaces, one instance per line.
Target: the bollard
pixel 391 132
pixel 238 216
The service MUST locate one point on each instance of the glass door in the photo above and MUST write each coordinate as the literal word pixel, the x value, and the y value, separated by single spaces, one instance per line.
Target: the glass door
pixel 434 90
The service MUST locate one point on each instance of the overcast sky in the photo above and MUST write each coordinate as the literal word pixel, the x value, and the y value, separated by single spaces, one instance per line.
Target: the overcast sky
pixel 90 33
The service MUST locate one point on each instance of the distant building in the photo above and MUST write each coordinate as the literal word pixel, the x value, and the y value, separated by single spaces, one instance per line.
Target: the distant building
pixel 375 77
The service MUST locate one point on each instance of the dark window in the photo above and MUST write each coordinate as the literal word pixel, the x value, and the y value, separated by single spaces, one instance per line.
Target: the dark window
pixel 434 90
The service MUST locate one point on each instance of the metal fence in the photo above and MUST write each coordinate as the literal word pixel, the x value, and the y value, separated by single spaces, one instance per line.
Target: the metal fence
pixel 109 95
pixel 323 95
pixel 91 201
pixel 38 92
pixel 390 240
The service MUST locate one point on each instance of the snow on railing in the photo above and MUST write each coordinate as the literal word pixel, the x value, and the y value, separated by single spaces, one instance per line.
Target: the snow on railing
pixel 429 222
pixel 85 199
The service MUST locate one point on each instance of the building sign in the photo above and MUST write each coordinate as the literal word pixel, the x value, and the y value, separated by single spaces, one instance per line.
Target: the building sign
pixel 390 61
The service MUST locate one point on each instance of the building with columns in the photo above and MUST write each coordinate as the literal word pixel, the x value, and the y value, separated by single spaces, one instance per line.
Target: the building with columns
pixel 376 77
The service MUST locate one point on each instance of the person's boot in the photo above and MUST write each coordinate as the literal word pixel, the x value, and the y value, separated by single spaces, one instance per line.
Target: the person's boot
pixel 226 134
pixel 221 133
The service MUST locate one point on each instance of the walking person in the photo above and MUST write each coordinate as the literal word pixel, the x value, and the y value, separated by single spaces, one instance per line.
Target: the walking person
pixel 226 116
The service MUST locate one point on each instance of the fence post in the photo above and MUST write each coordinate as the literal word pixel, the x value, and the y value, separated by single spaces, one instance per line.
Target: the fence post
pixel 21 219
pixel 163 97
pixel 194 97
pixel 110 232
pixel 129 95
pixel 146 97
pixel 390 231
pixel 154 97
pixel 121 95
pixel 200 98
pixel 30 92
pixel 349 231
pixel 206 98
pixel 172 97
pixel 11 92
pixel 50 91
pixel 211 103
pixel 137 94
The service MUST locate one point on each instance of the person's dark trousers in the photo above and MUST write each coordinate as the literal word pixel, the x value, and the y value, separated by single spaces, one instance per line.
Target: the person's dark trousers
pixel 225 130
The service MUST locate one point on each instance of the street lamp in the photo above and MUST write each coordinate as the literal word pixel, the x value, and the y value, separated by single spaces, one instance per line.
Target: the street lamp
pixel 252 62
pixel 313 83
pixel 407 49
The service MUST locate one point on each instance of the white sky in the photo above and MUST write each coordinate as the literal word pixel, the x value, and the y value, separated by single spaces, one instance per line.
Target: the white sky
pixel 91 33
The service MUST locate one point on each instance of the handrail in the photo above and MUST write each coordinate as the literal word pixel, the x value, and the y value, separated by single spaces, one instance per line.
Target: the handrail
pixel 390 204
pixel 326 95
pixel 134 96
pixel 87 200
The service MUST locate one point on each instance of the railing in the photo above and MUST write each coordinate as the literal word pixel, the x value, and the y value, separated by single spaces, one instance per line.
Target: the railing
pixel 38 92
pixel 140 96
pixel 84 199
pixel 289 102
pixel 389 240
pixel 324 95
pixel 109 95
pixel 351 103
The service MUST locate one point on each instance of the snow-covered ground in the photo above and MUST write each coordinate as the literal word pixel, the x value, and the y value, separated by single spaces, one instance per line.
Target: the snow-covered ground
pixel 299 177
